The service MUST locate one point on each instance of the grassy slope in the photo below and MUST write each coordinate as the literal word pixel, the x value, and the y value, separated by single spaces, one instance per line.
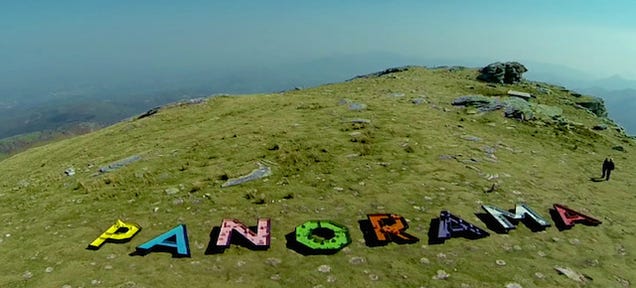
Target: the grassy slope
pixel 51 218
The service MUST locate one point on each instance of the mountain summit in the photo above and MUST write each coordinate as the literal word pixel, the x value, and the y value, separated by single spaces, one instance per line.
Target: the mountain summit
pixel 411 142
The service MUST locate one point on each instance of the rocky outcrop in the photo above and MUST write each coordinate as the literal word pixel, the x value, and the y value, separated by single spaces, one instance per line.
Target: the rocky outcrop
pixel 509 72
pixel 513 107
pixel 596 105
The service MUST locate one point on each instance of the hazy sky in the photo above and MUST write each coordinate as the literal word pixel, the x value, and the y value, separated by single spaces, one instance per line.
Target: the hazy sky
pixel 43 41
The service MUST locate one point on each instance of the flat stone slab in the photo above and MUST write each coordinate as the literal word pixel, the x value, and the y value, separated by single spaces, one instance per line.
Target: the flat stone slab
pixel 261 172
pixel 120 163
pixel 523 95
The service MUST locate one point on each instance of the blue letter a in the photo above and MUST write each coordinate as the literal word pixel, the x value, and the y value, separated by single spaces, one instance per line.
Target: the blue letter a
pixel 174 241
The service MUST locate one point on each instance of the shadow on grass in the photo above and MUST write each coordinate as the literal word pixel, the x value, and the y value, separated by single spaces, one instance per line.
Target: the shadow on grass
pixel 597 179
pixel 301 249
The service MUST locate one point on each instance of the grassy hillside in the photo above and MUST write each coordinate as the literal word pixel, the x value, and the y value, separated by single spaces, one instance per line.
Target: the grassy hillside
pixel 411 159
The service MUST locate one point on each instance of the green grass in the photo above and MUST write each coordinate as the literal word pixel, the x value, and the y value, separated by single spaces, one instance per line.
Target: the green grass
pixel 391 166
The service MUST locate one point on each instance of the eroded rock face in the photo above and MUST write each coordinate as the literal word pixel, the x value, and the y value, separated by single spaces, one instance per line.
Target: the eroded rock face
pixel 595 104
pixel 509 72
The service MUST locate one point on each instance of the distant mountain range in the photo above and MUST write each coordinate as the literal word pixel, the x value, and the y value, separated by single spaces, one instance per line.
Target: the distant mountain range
pixel 70 105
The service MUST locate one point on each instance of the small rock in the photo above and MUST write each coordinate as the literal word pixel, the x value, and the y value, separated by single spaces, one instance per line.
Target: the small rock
pixel 539 275
pixel 500 262
pixel 618 148
pixel 275 277
pixel 574 241
pixel 108 267
pixel 67 286
pixel 171 191
pixel 357 106
pixel 273 261
pixel 397 95
pixel 600 127
pixel 576 276
pixel 324 268
pixel 541 253
pixel 441 275
pixel 69 171
pixel 95 282
pixel 513 285
pixel 418 101
pixel 240 263
pixel 27 275
pixel 357 260
pixel 374 277
pixel 471 138
pixel 48 269
pixel 331 278
pixel 425 261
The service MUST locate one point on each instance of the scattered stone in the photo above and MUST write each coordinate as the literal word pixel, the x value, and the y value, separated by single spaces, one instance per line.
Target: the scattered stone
pixel 623 282
pixel 273 261
pixel 357 260
pixel 397 95
pixel 357 106
pixel 119 164
pixel 67 286
pixel 331 279
pixel 360 120
pixel 27 275
pixel 261 172
pixel 441 275
pixel 150 112
pixel 618 148
pixel 539 275
pixel 471 138
pixel 543 90
pixel 418 101
pixel 172 191
pixel 574 241
pixel 425 261
pixel 108 267
pixel 178 201
pixel 576 276
pixel 324 268
pixel 95 282
pixel 384 72
pixel 500 262
pixel 69 171
pixel 621 250
pixel 48 269
pixel 600 127
pixel 541 254
pixel 509 72
pixel 513 285
pixel 591 262
pixel 374 277
pixel 523 95
pixel 275 277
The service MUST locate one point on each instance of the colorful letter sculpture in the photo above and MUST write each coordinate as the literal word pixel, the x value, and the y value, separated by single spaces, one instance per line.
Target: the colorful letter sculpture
pixel 452 226
pixel 120 232
pixel 386 228
pixel 322 237
pixel 174 241
pixel 570 217
pixel 522 211
pixel 230 228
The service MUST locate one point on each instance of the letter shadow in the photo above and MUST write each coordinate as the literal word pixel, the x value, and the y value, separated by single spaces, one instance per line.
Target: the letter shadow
pixel 301 249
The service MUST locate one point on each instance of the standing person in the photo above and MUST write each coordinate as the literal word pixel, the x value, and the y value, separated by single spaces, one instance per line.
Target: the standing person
pixel 605 166
pixel 610 167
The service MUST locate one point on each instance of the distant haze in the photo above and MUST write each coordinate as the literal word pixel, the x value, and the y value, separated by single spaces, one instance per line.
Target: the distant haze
pixel 59 44
pixel 116 51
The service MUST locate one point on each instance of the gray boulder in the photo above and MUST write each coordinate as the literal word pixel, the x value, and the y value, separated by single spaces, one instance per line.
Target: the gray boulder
pixel 596 105
pixel 509 72
pixel 518 109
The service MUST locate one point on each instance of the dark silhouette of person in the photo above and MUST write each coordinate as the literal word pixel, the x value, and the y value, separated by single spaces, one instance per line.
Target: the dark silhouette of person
pixel 610 167
pixel 605 166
